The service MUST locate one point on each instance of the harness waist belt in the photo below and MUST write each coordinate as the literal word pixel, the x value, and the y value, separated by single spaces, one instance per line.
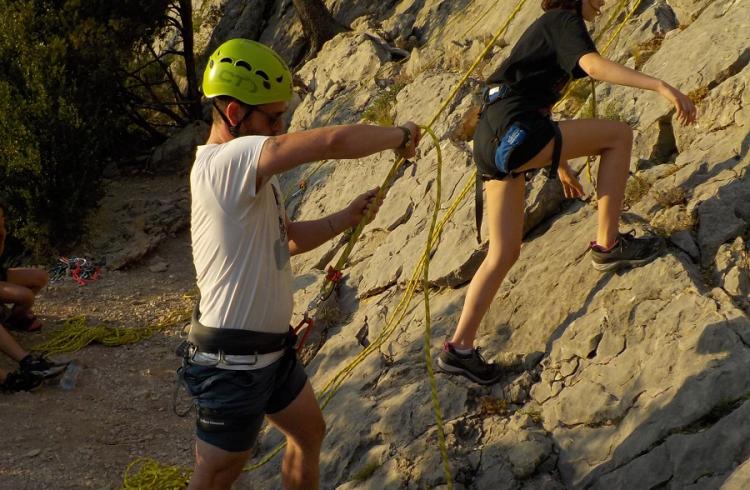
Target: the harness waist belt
pixel 235 341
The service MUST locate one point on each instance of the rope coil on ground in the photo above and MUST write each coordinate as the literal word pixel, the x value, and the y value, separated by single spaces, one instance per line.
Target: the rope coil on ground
pixel 76 333
pixel 145 473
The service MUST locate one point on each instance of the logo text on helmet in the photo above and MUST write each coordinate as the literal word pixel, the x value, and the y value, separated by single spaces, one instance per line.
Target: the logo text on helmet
pixel 238 80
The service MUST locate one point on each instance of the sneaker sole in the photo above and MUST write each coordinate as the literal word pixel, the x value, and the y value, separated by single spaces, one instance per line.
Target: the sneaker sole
pixel 448 369
pixel 52 372
pixel 622 264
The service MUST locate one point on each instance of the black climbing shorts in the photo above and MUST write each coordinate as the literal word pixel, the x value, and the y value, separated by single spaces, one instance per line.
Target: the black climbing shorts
pixel 497 156
pixel 3 274
pixel 232 404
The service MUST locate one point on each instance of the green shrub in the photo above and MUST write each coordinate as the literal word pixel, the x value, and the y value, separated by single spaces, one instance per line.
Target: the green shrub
pixel 380 109
pixel 61 110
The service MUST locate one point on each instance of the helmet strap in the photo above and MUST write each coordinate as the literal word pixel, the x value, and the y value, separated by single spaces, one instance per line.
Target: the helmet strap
pixel 234 130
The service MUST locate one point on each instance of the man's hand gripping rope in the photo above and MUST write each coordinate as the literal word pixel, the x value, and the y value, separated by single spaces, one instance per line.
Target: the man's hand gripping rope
pixel 334 275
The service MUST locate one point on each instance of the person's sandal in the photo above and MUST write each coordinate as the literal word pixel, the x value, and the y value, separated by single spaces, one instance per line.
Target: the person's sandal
pixel 26 323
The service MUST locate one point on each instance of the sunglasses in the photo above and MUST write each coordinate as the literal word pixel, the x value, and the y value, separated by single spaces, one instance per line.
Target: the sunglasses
pixel 272 119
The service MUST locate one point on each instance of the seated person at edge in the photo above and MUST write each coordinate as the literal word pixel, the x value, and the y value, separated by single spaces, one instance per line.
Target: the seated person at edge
pixel 32 368
pixel 515 134
pixel 19 287
pixel 242 367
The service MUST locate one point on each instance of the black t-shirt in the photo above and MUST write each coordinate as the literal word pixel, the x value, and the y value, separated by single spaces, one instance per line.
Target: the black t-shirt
pixel 541 63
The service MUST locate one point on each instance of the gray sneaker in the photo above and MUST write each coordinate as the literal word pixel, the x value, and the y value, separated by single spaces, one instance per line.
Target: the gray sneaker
pixel 473 365
pixel 629 251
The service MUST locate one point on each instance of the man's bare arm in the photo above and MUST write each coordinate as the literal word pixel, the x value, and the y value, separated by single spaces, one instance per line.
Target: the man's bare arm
pixel 284 152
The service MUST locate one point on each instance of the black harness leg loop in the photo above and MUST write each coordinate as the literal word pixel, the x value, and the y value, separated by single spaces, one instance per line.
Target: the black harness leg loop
pixel 556 150
pixel 478 206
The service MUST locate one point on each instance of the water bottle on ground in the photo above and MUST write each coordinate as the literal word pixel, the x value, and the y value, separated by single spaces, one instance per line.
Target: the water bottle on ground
pixel 70 376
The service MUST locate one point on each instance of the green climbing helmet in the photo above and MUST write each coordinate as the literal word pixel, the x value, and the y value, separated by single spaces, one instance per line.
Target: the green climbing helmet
pixel 249 72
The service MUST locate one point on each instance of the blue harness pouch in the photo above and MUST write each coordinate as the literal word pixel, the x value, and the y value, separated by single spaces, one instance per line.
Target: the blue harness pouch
pixel 512 139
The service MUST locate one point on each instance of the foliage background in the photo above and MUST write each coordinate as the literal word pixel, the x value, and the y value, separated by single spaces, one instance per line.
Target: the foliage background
pixel 63 110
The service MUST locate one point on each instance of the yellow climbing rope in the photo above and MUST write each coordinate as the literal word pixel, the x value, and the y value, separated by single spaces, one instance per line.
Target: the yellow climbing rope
pixel 76 333
pixel 152 475
pixel 427 325
pixel 394 169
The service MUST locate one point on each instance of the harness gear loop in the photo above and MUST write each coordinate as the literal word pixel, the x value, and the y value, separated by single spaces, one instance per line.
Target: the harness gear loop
pixel 179 384
pixel 556 151
pixel 307 323
pixel 479 205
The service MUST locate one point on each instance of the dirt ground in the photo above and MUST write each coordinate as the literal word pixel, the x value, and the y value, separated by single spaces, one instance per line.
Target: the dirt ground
pixel 121 407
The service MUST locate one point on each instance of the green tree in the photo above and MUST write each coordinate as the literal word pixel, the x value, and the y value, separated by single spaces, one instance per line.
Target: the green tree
pixel 159 82
pixel 62 116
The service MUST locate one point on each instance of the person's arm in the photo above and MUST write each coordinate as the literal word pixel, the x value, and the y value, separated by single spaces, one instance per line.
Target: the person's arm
pixel 307 235
pixel 602 69
pixel 284 152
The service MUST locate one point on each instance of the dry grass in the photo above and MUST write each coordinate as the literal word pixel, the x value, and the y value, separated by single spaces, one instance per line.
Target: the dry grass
pixel 577 96
pixel 671 196
pixel 668 224
pixel 611 110
pixel 534 415
pixel 635 189
pixel 642 52
pixel 366 472
pixel 380 110
pixel 493 406
pixel 698 94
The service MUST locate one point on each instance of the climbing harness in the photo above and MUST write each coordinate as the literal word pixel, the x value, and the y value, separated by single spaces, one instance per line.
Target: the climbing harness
pixel 234 341
pixel 491 95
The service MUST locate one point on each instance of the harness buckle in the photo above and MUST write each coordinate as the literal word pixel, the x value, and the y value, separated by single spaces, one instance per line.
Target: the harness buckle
pixel 220 359
pixel 223 359
pixel 495 93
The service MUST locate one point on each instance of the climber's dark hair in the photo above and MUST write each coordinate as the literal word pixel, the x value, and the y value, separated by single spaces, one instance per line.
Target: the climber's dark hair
pixel 560 4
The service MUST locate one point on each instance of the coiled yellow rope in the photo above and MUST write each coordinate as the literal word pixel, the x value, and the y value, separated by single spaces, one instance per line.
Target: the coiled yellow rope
pixel 147 474
pixel 76 333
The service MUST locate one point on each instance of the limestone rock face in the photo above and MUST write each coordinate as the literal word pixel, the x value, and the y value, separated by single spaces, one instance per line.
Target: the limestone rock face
pixel 635 379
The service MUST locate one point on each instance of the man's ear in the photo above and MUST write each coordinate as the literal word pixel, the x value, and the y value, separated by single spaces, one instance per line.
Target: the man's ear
pixel 233 111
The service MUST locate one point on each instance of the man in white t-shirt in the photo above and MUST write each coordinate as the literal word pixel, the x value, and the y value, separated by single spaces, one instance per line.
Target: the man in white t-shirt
pixel 241 366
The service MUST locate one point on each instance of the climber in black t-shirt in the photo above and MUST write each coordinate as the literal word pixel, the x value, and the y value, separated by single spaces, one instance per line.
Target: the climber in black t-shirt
pixel 515 134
